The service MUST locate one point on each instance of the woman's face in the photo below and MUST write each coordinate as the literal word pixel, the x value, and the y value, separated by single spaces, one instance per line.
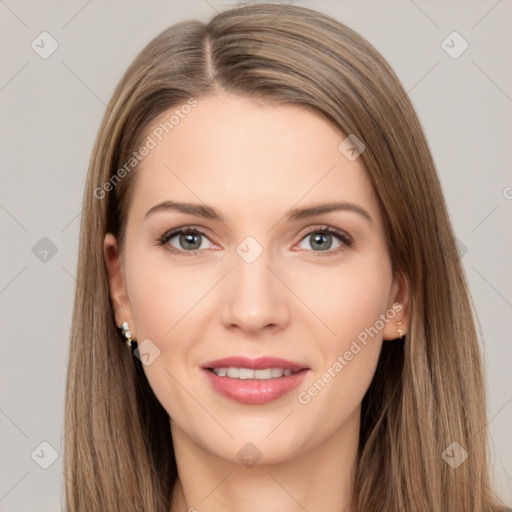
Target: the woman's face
pixel 261 280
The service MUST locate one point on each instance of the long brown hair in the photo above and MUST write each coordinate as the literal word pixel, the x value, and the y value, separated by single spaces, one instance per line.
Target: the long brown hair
pixel 428 391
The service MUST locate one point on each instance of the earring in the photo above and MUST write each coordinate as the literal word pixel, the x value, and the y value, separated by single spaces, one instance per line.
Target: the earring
pixel 125 327
pixel 400 332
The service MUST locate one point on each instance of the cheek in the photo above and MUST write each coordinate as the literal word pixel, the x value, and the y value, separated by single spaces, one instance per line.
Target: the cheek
pixel 161 294
pixel 169 304
pixel 354 309
pixel 336 388
pixel 350 298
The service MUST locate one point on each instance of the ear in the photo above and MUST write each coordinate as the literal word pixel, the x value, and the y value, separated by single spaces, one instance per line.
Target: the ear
pixel 399 298
pixel 117 289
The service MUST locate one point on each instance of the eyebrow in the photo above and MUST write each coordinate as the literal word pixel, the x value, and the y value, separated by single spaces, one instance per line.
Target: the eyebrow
pixel 209 212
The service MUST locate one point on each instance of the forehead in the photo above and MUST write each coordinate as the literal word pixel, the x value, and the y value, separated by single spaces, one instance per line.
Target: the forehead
pixel 243 156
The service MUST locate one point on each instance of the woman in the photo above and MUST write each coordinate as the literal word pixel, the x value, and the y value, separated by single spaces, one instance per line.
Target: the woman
pixel 317 351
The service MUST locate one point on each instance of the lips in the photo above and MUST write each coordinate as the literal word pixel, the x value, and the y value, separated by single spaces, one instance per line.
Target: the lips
pixel 255 391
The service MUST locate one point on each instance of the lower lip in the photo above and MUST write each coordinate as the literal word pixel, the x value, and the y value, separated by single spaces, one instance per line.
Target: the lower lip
pixel 253 391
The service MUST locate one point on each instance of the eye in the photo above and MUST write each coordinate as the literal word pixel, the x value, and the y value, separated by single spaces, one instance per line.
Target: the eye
pixel 189 241
pixel 321 240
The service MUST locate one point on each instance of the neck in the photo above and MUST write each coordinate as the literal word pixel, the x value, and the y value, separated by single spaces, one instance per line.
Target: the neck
pixel 318 479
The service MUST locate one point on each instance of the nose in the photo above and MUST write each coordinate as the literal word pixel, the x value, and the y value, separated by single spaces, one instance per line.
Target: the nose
pixel 255 298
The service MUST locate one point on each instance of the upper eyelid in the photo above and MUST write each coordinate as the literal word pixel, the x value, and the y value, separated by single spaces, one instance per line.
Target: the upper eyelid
pixel 171 233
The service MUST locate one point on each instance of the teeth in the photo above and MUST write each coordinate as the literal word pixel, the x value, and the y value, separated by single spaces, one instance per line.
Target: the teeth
pixel 276 372
pixel 247 373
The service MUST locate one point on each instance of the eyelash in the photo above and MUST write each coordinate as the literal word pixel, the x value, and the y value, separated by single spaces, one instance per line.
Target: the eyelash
pixel 188 230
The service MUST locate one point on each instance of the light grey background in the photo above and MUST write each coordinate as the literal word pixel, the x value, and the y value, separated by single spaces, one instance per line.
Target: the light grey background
pixel 51 110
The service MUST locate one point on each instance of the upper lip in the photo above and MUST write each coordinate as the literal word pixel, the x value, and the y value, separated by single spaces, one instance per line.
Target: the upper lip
pixel 259 363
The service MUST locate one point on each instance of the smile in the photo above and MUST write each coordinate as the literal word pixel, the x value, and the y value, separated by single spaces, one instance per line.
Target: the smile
pixel 254 380
pixel 248 373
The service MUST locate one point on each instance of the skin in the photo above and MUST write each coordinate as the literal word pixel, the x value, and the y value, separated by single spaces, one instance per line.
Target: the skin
pixel 253 162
